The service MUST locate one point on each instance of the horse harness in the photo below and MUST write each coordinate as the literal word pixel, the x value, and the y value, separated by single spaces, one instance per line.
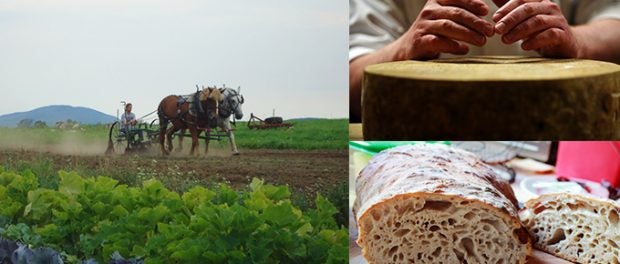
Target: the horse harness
pixel 195 109
pixel 224 110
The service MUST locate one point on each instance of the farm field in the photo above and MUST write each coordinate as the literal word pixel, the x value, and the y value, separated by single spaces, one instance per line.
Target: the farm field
pixel 311 158
pixel 92 139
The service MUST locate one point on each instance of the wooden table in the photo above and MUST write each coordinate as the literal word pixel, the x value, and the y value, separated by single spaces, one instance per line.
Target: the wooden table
pixel 355 132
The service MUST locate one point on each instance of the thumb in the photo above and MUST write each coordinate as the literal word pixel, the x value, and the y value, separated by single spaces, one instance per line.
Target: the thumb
pixel 500 3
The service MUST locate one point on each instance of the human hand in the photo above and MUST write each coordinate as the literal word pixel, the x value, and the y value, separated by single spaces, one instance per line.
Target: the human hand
pixel 539 23
pixel 441 27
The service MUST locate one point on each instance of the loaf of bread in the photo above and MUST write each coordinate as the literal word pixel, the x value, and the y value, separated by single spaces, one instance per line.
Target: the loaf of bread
pixel 574 227
pixel 436 204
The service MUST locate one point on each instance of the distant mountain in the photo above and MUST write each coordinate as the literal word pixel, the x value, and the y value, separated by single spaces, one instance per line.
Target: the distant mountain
pixel 54 113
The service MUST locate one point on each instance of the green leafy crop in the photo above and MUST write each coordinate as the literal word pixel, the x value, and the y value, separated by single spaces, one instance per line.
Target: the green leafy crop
pixel 97 218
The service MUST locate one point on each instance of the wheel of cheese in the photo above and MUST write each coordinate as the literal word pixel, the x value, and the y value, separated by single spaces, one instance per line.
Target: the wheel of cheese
pixel 436 204
pixel 491 98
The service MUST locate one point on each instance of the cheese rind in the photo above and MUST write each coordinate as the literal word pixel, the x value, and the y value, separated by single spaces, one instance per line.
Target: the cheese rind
pixel 491 99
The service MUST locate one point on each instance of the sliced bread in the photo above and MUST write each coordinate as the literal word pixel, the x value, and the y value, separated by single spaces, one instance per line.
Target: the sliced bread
pixel 436 204
pixel 574 227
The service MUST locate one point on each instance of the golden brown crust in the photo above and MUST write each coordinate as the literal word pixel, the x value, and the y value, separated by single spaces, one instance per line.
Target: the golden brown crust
pixel 444 170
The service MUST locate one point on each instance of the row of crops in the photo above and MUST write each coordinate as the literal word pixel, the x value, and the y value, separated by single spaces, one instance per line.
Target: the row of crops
pixel 99 220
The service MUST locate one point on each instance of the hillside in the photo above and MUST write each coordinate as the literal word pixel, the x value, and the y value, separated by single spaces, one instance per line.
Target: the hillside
pixel 54 113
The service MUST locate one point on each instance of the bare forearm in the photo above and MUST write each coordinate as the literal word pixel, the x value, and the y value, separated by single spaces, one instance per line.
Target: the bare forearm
pixel 599 40
pixel 356 68
pixel 356 72
pixel 443 26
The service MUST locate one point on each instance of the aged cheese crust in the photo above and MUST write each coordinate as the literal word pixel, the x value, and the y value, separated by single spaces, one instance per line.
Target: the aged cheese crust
pixel 520 99
pixel 433 203
pixel 574 227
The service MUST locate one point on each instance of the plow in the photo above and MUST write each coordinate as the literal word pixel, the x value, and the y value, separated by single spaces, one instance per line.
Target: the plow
pixel 268 123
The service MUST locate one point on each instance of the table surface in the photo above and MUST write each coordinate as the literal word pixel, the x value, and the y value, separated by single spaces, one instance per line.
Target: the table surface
pixel 356 163
pixel 355 132
pixel 537 257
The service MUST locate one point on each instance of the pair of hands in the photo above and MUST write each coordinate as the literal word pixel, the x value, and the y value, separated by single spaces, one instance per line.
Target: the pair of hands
pixel 131 122
pixel 444 26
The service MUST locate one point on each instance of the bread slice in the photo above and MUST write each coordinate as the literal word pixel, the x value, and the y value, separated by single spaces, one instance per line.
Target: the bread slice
pixel 574 227
pixel 436 204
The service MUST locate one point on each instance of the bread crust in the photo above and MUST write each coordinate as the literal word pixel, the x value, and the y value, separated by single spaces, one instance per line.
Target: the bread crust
pixel 427 175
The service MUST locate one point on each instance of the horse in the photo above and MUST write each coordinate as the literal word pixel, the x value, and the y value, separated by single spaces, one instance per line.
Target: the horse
pixel 195 112
pixel 231 104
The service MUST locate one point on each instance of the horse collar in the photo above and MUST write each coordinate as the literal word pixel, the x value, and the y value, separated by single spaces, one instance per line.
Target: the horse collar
pixel 197 101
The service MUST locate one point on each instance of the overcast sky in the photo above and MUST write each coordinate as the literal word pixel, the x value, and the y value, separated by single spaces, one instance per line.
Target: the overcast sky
pixel 287 55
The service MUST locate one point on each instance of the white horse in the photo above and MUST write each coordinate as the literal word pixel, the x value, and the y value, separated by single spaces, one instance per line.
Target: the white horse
pixel 231 104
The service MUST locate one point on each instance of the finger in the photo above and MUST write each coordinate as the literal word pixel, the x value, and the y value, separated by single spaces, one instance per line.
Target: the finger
pixel 477 7
pixel 532 26
pixel 441 44
pixel 452 30
pixel 509 7
pixel 460 16
pixel 522 13
pixel 548 38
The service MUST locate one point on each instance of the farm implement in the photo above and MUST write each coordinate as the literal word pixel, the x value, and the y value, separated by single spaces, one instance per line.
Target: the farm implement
pixel 144 136
pixel 139 138
pixel 269 123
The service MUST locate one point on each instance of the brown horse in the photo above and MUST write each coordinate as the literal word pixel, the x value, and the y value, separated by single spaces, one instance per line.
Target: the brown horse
pixel 195 113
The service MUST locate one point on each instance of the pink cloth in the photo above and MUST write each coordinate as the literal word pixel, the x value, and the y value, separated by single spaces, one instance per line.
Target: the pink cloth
pixel 590 160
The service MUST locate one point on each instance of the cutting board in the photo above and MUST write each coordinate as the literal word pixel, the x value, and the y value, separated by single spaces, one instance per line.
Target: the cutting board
pixel 537 257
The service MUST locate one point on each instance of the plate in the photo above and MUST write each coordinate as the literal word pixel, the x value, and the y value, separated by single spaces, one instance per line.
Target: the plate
pixel 538 185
